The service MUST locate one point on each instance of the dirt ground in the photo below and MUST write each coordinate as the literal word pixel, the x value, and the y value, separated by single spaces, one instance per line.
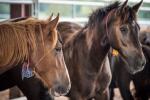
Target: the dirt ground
pixel 5 96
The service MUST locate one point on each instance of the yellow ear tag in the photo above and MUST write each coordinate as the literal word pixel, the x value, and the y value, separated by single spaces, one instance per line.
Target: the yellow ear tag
pixel 115 52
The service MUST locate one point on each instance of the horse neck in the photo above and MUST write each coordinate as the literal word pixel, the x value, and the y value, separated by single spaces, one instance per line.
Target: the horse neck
pixel 88 59
pixel 99 49
pixel 100 39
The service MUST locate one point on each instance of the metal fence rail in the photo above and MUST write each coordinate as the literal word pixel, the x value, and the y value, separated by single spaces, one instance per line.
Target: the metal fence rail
pixel 35 4
pixel 16 1
pixel 85 3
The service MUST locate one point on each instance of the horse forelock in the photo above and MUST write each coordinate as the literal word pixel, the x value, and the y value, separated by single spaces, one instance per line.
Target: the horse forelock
pixel 95 20
pixel 128 15
pixel 98 15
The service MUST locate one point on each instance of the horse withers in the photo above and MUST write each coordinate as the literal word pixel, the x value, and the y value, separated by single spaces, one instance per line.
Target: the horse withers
pixel 34 43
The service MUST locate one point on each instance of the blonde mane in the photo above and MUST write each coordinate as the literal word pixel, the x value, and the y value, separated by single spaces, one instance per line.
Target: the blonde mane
pixel 17 41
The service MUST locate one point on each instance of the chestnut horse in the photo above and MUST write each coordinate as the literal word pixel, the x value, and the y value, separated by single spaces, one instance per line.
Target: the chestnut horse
pixel 33 88
pixel 34 45
pixel 86 50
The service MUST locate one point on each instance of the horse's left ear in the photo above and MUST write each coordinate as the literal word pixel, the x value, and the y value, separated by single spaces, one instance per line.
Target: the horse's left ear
pixel 53 24
pixel 136 7
pixel 122 7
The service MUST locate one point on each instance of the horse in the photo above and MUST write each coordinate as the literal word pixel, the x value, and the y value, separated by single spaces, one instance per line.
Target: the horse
pixel 13 77
pixel 36 47
pixel 86 50
pixel 122 78
pixel 69 29
pixel 26 86
pixel 62 26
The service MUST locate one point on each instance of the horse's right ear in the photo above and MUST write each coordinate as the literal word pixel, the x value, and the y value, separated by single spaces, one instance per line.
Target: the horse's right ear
pixel 53 24
pixel 50 18
pixel 122 7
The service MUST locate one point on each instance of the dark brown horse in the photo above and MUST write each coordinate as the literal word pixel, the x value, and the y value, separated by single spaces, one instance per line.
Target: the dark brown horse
pixel 141 80
pixel 41 50
pixel 86 50
pixel 68 30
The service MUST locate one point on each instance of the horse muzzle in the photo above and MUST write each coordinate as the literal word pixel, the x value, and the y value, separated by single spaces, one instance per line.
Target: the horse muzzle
pixel 136 64
pixel 59 90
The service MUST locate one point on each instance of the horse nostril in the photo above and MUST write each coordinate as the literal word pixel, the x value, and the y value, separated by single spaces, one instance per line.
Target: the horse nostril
pixel 60 90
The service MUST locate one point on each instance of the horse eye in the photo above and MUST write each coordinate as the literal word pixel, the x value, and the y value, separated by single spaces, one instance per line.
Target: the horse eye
pixel 124 29
pixel 58 49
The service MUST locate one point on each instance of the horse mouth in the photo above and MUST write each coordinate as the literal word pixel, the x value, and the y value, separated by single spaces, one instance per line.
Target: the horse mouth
pixel 132 64
pixel 133 69
pixel 54 93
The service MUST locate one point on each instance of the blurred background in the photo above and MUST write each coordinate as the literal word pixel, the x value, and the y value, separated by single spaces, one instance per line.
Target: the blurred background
pixel 70 10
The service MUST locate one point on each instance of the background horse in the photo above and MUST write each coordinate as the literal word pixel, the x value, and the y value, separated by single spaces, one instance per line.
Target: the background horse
pixel 86 50
pixel 41 49
pixel 33 88
pixel 141 80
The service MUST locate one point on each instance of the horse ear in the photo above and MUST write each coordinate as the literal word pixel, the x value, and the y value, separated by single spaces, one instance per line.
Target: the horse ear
pixel 50 18
pixel 122 7
pixel 136 7
pixel 53 24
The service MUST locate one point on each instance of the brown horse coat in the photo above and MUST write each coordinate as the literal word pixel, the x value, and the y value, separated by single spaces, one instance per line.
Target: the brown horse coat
pixel 86 50
pixel 68 30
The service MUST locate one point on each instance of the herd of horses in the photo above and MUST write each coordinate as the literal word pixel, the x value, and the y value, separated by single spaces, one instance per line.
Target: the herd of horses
pixel 47 58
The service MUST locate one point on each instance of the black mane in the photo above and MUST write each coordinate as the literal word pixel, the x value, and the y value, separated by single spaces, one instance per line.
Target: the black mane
pixel 100 13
